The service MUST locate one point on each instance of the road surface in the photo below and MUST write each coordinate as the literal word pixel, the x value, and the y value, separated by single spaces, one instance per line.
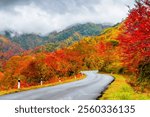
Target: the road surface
pixel 87 89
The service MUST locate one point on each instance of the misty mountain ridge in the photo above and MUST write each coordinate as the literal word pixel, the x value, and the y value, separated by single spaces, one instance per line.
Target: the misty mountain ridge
pixel 32 40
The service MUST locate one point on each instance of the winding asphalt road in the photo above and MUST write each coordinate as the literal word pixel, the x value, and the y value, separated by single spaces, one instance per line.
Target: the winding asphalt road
pixel 87 89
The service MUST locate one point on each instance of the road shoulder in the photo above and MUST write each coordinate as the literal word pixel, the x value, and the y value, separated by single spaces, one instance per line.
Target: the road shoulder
pixel 121 90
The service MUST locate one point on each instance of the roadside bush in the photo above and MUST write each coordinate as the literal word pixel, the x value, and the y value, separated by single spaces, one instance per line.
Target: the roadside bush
pixel 114 68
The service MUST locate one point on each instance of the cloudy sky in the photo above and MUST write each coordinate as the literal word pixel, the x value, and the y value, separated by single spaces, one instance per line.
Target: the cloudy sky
pixel 43 16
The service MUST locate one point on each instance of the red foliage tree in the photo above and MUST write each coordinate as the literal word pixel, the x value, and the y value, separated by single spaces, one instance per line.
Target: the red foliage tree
pixel 63 62
pixel 135 41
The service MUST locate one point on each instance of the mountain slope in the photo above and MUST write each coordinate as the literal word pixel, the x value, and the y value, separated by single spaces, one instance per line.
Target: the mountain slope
pixel 30 41
pixel 8 48
pixel 88 29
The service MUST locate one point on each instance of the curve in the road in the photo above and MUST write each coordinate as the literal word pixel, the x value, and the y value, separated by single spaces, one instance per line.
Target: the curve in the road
pixel 87 89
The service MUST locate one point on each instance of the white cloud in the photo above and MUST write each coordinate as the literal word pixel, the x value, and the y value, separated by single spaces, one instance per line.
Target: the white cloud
pixel 39 18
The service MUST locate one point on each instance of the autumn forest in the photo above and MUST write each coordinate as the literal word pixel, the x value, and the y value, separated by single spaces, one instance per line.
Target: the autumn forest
pixel 120 49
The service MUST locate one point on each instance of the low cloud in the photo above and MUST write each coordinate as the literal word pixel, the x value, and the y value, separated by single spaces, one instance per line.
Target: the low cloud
pixel 43 16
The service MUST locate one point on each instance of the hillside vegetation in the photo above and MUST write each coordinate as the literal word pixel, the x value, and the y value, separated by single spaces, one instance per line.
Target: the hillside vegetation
pixel 30 41
pixel 121 49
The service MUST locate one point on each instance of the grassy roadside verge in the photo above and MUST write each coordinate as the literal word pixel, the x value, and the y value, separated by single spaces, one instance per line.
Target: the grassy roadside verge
pixel 39 86
pixel 121 90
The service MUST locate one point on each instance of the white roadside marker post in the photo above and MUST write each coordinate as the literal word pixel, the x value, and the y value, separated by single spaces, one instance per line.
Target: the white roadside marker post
pixel 41 82
pixel 18 83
